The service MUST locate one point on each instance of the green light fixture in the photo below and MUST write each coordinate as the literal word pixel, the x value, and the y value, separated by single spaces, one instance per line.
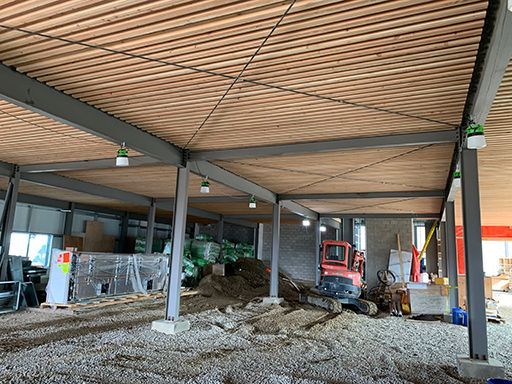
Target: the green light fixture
pixel 122 157
pixel 475 136
pixel 205 185
pixel 252 202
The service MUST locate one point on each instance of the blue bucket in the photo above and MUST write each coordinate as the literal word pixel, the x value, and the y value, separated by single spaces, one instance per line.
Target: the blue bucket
pixel 498 381
pixel 457 316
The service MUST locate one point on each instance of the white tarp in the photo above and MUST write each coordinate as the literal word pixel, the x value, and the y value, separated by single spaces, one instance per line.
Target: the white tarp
pixel 394 265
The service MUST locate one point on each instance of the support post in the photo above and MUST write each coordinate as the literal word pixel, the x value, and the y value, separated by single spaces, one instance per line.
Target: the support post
pixel 255 241
pixel 171 323
pixel 477 321
pixel 348 230
pixel 274 260
pixel 150 229
pixel 259 253
pixel 8 220
pixel 220 230
pixel 123 233
pixel 477 364
pixel 451 254
pixel 339 231
pixel 68 220
pixel 318 242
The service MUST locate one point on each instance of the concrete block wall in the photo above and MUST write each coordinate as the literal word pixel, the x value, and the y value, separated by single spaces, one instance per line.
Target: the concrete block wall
pixel 232 232
pixel 381 238
pixel 297 251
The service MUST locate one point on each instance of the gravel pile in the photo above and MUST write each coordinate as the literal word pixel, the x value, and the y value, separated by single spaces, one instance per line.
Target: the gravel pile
pixel 236 344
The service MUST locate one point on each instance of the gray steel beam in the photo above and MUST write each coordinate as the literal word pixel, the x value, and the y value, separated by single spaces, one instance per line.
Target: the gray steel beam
pixel 477 320
pixel 68 220
pixel 172 310
pixel 318 242
pixel 274 262
pixel 362 195
pixel 50 179
pixel 150 228
pixel 382 215
pixel 241 223
pixel 31 94
pixel 222 176
pixel 8 220
pixel 348 230
pixel 330 222
pixel 204 199
pixel 299 209
pixel 451 254
pixel 86 164
pixel 423 138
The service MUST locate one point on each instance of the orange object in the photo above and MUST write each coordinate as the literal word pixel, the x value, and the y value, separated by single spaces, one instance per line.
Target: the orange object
pixel 415 267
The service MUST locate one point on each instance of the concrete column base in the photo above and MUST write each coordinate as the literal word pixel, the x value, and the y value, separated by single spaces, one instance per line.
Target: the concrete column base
pixel 482 369
pixel 272 300
pixel 170 327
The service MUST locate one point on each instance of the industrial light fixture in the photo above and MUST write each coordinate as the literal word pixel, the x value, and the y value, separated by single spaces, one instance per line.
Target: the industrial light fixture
pixel 323 228
pixel 306 223
pixel 456 183
pixel 122 157
pixel 252 202
pixel 205 185
pixel 475 136
pixel 456 179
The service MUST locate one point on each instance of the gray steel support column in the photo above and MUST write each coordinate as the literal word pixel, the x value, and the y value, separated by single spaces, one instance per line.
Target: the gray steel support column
pixel 477 321
pixel 318 242
pixel 451 254
pixel 339 232
pixel 220 231
pixel 123 232
pixel 150 229
pixel 255 241
pixel 68 221
pixel 276 233
pixel 178 239
pixel 8 220
pixel 348 230
pixel 259 253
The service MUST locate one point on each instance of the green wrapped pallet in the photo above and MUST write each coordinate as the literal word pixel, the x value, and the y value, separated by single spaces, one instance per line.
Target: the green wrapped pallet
pixel 205 250
pixel 203 237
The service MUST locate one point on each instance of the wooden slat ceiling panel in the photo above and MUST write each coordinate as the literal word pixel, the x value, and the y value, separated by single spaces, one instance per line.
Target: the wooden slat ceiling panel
pixel 409 57
pixel 395 205
pixel 29 138
pixel 495 161
pixel 385 169
pixel 235 207
pixel 158 181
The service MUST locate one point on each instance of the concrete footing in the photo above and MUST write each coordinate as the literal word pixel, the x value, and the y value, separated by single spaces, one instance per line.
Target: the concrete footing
pixel 170 327
pixel 272 300
pixel 482 369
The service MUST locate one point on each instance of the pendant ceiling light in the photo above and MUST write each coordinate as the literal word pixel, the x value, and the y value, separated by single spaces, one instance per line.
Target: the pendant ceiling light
pixel 323 228
pixel 475 136
pixel 252 202
pixel 306 223
pixel 122 157
pixel 205 185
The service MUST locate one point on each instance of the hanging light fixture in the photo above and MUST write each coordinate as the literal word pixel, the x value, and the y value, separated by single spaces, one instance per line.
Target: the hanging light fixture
pixel 323 228
pixel 205 185
pixel 252 202
pixel 306 223
pixel 475 136
pixel 122 157
pixel 456 179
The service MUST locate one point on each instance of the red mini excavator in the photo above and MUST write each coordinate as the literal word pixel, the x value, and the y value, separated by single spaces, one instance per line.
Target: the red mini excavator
pixel 341 279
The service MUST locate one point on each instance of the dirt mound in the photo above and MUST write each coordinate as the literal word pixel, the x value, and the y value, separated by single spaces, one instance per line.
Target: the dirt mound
pixel 245 279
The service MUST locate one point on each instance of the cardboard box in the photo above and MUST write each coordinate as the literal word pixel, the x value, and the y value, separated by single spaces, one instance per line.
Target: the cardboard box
pixel 462 289
pixel 441 281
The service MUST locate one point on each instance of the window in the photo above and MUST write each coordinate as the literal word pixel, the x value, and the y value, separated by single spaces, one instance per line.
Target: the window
pixel 35 246
pixel 335 253
pixel 420 235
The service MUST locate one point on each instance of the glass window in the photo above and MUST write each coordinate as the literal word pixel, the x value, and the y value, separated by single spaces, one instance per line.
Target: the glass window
pixel 35 246
pixel 420 236
pixel 335 253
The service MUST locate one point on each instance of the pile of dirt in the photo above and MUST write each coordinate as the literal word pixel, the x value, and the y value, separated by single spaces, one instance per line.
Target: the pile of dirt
pixel 245 279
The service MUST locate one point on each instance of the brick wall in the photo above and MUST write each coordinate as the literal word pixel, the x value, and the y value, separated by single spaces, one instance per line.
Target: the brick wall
pixel 381 238
pixel 297 251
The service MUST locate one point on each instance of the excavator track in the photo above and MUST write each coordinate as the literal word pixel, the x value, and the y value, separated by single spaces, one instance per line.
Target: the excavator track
pixel 367 307
pixel 335 305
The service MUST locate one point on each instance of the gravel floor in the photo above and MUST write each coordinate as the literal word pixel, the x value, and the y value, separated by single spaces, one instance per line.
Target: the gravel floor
pixel 237 344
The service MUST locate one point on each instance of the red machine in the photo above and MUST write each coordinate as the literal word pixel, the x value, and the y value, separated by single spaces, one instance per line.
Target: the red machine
pixel 341 279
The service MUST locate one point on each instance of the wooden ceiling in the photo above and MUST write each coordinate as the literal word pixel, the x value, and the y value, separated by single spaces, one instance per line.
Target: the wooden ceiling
pixel 329 70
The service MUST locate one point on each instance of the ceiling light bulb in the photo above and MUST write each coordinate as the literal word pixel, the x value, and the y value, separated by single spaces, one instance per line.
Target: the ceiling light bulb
pixel 122 157
pixel 475 137
pixel 252 202
pixel 323 228
pixel 205 186
pixel 306 223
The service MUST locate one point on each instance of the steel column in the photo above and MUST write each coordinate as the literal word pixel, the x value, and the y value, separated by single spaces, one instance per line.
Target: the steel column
pixel 348 230
pixel 178 239
pixel 8 220
pixel 123 232
pixel 276 233
pixel 318 242
pixel 451 254
pixel 150 228
pixel 477 322
pixel 68 221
